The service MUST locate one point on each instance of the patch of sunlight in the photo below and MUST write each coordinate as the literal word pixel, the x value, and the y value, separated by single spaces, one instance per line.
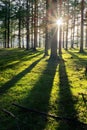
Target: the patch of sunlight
pixel 2 79
pixel 65 55
pixel 24 85
pixel 53 107
pixel 13 62
pixel 54 91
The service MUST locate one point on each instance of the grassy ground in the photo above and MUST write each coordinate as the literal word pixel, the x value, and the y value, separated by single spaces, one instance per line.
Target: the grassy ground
pixel 53 87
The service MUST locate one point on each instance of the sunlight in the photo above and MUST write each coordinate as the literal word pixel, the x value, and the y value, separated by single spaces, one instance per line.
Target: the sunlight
pixel 59 22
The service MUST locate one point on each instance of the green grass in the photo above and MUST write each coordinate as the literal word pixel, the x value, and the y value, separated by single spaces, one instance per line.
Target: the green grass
pixel 29 79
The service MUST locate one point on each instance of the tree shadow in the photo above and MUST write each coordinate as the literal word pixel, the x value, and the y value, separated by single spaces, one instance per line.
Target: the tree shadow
pixel 4 88
pixel 79 61
pixel 38 98
pixel 66 103
pixel 12 60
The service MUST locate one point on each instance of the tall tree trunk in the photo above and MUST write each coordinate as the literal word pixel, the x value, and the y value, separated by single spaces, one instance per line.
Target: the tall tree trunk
pixel 60 29
pixel 5 32
pixel 73 32
pixel 32 25
pixel 63 38
pixel 86 38
pixel 11 32
pixel 19 25
pixel 19 35
pixel 67 25
pixel 8 24
pixel 27 26
pixel 77 31
pixel 54 33
pixel 35 25
pixel 46 37
pixel 81 43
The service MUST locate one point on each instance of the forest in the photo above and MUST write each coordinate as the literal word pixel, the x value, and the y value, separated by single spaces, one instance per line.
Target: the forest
pixel 43 65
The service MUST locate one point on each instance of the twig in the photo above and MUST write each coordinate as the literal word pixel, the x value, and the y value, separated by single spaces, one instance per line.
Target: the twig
pixel 74 120
pixel 13 116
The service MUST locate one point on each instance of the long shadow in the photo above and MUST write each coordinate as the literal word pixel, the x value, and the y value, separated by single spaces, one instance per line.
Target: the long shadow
pixel 38 98
pixel 7 66
pixel 15 79
pixel 66 102
pixel 19 57
pixel 79 61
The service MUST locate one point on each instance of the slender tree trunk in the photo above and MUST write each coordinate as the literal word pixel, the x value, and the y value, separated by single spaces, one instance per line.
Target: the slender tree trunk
pixel 32 26
pixel 81 43
pixel 63 38
pixel 8 24
pixel 19 34
pixel 5 33
pixel 86 38
pixel 11 33
pixel 27 28
pixel 35 25
pixel 73 32
pixel 46 38
pixel 77 31
pixel 19 25
pixel 67 26
pixel 60 40
pixel 60 29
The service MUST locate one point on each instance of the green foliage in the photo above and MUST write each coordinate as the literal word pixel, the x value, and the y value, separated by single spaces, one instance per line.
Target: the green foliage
pixel 31 80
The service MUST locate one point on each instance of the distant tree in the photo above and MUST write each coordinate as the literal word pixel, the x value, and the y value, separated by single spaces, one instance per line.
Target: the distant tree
pixel 67 25
pixel 35 24
pixel 86 38
pixel 19 24
pixel 27 24
pixel 60 27
pixel 82 22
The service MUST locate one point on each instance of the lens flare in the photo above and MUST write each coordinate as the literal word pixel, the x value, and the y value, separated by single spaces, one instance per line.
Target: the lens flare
pixel 59 22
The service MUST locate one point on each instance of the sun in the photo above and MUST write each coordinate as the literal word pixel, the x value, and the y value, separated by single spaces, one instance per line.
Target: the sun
pixel 59 22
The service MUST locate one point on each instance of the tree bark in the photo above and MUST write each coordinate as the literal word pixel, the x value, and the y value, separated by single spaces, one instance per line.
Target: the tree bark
pixel 54 33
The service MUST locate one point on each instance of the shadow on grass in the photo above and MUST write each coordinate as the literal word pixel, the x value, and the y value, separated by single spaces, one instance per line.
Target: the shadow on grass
pixel 38 98
pixel 15 79
pixel 66 102
pixel 17 57
pixel 79 61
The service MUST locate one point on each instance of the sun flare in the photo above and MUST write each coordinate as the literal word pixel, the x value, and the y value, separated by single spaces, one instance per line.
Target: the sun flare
pixel 59 22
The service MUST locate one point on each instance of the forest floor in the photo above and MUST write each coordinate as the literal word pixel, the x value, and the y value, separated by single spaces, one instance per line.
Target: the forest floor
pixel 57 88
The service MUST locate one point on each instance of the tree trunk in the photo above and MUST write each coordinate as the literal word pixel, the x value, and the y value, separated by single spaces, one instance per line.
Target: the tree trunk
pixel 81 43
pixel 19 26
pixel 67 26
pixel 5 32
pixel 54 33
pixel 46 38
pixel 86 38
pixel 8 24
pixel 60 28
pixel 35 25
pixel 27 26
